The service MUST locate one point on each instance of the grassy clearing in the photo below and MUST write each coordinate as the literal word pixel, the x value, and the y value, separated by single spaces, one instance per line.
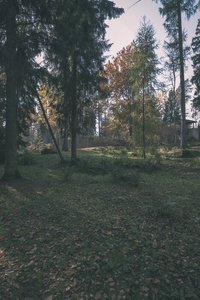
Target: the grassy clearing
pixel 84 233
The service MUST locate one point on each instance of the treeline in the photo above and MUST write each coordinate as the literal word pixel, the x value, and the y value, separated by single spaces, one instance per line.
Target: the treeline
pixel 52 63
pixel 70 35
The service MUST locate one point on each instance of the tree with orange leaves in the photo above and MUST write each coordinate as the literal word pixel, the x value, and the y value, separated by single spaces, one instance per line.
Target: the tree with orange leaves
pixel 120 92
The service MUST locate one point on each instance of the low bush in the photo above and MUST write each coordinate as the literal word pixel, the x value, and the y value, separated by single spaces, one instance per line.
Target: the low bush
pixel 126 175
pixel 68 171
pixel 48 151
pixel 27 158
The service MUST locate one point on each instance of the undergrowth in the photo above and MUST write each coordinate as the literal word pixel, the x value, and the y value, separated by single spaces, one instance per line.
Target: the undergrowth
pixel 77 233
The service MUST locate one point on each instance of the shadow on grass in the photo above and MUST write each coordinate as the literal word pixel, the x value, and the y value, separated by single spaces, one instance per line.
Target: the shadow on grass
pixel 90 239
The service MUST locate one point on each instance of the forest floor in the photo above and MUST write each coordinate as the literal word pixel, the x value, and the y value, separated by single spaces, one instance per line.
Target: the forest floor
pixel 112 227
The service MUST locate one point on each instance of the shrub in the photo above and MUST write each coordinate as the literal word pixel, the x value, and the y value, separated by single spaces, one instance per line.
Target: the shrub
pixel 48 151
pixel 85 165
pixel 123 152
pixel 157 158
pixel 26 159
pixel 67 172
pixel 127 175
pixel 90 166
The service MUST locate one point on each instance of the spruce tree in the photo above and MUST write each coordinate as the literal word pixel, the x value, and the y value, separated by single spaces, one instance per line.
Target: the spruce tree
pixel 196 66
pixel 145 71
pixel 22 33
pixel 172 10
pixel 76 52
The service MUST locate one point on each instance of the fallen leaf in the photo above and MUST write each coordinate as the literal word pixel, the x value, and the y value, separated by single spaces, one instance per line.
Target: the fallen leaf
pixel 49 298
pixel 145 288
pixel 109 232
pixel 156 280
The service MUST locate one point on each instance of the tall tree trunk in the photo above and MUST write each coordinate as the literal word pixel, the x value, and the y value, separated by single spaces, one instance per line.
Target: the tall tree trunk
pixel 65 146
pixel 74 110
pixel 182 81
pixel 99 123
pixel 131 127
pixel 143 125
pixel 174 103
pixel 11 169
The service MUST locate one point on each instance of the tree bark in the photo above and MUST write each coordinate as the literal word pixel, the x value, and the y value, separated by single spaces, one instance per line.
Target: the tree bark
pixel 74 110
pixel 11 169
pixel 182 80
pixel 143 125
pixel 65 146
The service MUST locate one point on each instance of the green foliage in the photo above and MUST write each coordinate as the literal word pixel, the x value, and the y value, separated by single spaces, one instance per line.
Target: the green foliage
pixel 123 174
pixel 85 165
pixel 164 209
pixel 124 152
pixel 68 172
pixel 196 161
pixel 48 151
pixel 157 158
pixel 196 63
pixel 36 140
pixel 93 166
pixel 130 243
pixel 27 158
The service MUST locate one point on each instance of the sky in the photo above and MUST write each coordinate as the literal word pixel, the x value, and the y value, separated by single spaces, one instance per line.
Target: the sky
pixel 123 30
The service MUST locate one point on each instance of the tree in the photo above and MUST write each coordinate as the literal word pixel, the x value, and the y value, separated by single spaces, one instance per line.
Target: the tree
pixel 118 88
pixel 144 74
pixel 171 112
pixel 196 66
pixel 172 10
pixel 131 80
pixel 76 51
pixel 23 37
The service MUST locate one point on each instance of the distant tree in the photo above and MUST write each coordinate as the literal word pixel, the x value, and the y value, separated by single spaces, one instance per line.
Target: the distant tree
pixel 196 67
pixel 133 109
pixel 171 109
pixel 172 10
pixel 119 89
pixel 144 76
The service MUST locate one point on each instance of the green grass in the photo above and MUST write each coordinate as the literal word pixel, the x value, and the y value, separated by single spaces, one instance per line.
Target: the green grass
pixel 81 233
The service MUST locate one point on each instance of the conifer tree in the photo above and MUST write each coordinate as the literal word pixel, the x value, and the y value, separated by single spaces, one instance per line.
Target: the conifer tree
pixel 172 10
pixel 145 73
pixel 22 33
pixel 76 51
pixel 119 88
pixel 196 66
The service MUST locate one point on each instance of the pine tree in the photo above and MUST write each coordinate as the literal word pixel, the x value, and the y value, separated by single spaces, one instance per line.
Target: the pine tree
pixel 172 11
pixel 145 73
pixel 23 39
pixel 196 66
pixel 76 51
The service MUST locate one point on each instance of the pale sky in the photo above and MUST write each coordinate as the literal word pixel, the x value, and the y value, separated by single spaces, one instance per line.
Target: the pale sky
pixel 123 30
